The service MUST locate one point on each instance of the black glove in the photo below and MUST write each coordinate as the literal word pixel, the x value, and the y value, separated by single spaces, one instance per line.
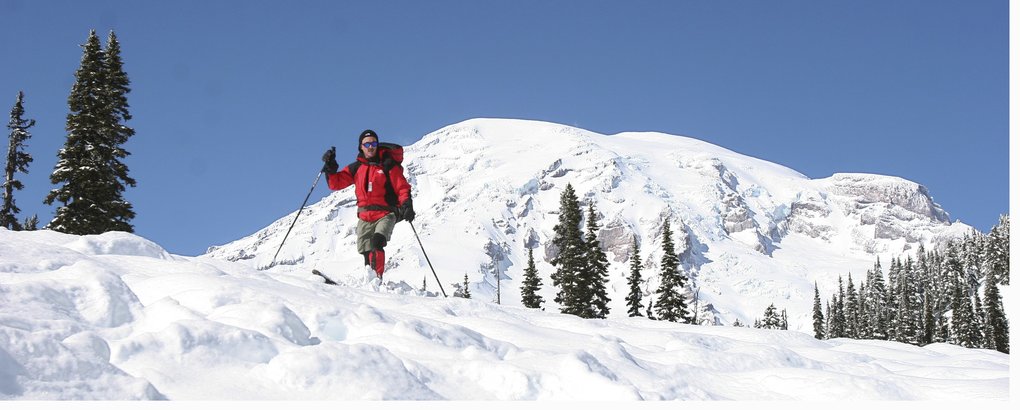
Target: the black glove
pixel 330 166
pixel 406 210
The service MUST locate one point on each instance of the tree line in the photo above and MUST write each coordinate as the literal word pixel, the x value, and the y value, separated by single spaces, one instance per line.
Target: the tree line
pixel 932 297
pixel 582 271
pixel 90 174
pixel 945 295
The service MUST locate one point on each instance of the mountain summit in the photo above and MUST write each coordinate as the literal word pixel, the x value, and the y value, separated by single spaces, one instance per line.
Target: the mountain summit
pixel 750 232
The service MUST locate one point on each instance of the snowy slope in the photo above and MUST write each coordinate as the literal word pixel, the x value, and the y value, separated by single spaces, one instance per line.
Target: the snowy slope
pixel 115 317
pixel 752 232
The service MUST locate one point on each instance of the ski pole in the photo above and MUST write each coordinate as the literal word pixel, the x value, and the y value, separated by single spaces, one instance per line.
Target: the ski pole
pixel 427 258
pixel 295 219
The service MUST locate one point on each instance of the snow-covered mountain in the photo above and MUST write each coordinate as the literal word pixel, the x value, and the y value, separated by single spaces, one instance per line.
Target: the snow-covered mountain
pixel 751 232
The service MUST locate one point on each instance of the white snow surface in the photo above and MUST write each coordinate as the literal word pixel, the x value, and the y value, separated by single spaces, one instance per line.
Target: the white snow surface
pixel 751 233
pixel 115 317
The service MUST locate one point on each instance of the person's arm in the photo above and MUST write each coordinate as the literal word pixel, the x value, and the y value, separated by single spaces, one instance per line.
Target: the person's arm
pixel 336 180
pixel 340 180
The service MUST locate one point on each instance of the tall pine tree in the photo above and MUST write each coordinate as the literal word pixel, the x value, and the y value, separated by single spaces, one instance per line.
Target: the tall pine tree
pixel 671 305
pixel 634 304
pixel 816 316
pixel 927 321
pixel 838 328
pixel 995 263
pixel 89 166
pixel 875 318
pixel 17 161
pixel 595 296
pixel 996 325
pixel 909 306
pixel 531 285
pixel 850 307
pixel 570 261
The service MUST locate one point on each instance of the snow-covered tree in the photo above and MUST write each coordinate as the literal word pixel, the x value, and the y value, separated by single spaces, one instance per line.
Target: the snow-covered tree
pixel 995 263
pixel 837 320
pixel 996 325
pixel 89 166
pixel 771 319
pixel 570 262
pixel 463 290
pixel 31 223
pixel 927 321
pixel 818 320
pixel 531 284
pixel 595 297
pixel 874 317
pixel 850 308
pixel 634 304
pixel 671 305
pixel 964 327
pixel 909 306
pixel 17 161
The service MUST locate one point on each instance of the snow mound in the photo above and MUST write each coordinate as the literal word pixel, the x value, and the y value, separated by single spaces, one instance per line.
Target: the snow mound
pixel 118 243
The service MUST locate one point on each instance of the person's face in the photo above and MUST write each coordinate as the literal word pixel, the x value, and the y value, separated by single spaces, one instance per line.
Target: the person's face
pixel 369 152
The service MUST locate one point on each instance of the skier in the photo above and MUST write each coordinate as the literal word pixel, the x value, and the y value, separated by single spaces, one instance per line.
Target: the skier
pixel 384 195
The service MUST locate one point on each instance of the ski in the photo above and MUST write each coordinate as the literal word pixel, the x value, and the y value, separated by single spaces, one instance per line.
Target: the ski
pixel 328 280
pixel 376 285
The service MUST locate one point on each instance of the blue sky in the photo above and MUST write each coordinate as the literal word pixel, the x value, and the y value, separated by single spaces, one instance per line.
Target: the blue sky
pixel 235 101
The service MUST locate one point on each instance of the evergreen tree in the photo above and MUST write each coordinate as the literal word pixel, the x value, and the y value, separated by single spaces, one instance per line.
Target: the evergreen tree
pixel 861 311
pixel 891 297
pixel 979 321
pixel 909 306
pixel 532 284
pixel 671 305
pixel 995 264
pixel 570 262
pixel 595 297
pixel 31 223
pixel 89 165
pixel 17 161
pixel 118 87
pixel 839 312
pixel 875 317
pixel 850 307
pixel 634 304
pixel 973 247
pixel 816 315
pixel 943 266
pixel 771 319
pixel 964 331
pixel 784 321
pixel 996 325
pixel 828 314
pixel 836 324
pixel 463 291
pixel 928 321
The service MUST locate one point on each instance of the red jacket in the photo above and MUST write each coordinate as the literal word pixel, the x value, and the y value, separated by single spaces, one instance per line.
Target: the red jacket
pixel 370 185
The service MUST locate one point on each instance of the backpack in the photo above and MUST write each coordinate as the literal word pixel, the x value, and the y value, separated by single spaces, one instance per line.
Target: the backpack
pixel 392 155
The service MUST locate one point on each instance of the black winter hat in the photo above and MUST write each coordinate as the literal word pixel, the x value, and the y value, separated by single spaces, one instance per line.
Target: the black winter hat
pixel 366 134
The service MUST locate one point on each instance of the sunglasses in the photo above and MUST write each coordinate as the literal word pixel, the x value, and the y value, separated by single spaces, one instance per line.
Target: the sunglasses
pixel 371 144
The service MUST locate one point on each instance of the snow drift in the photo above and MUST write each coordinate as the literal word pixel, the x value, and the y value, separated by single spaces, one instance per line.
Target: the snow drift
pixel 115 317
